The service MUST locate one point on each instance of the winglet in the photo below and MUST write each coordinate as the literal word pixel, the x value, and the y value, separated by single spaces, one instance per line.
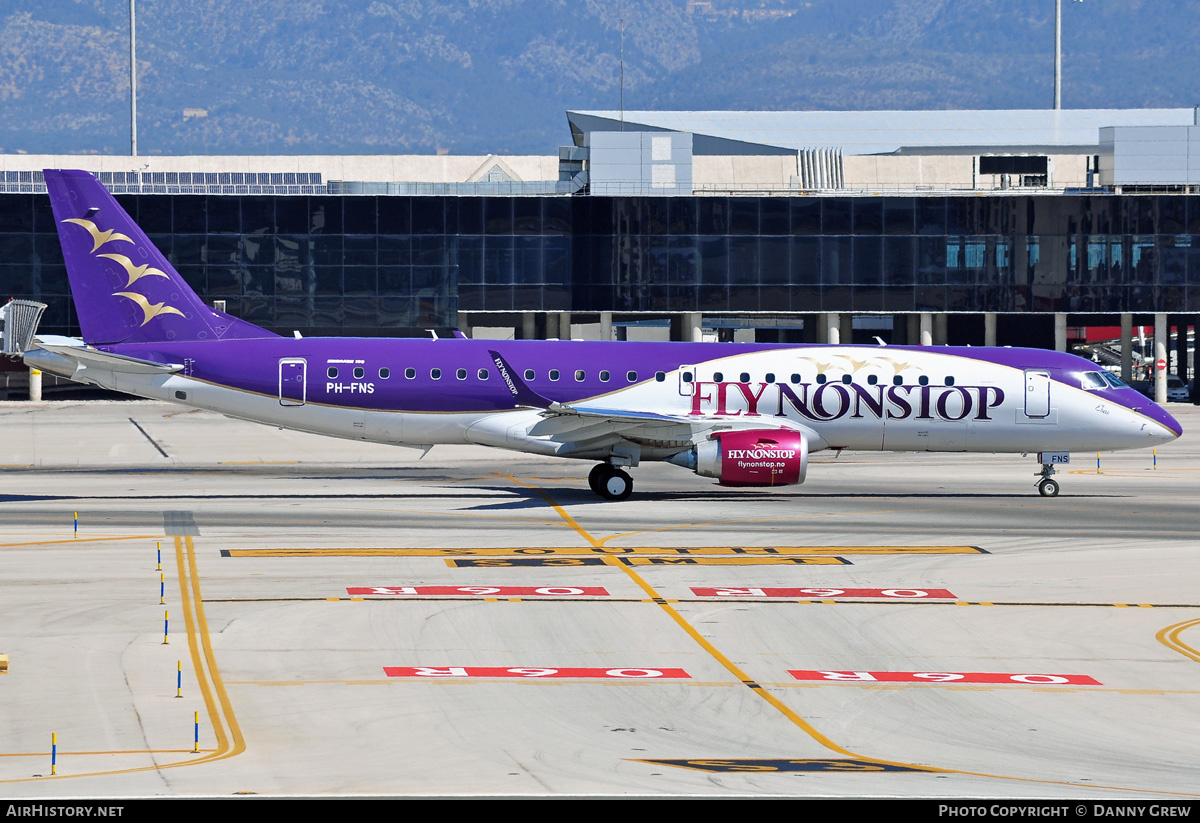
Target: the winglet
pixel 522 394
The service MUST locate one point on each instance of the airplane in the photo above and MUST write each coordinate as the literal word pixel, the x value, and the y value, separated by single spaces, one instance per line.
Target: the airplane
pixel 745 414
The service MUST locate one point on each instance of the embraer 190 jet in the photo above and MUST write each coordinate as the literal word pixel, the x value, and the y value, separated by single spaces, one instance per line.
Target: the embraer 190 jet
pixel 744 414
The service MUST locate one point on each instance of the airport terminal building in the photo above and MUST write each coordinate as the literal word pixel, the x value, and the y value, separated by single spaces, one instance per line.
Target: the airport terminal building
pixel 960 227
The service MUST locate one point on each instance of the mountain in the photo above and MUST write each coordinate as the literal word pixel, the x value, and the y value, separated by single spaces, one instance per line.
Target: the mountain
pixel 496 76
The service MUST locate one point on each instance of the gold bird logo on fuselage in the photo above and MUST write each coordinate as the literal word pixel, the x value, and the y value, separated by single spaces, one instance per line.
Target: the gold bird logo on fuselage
pixel 135 272
pixel 151 310
pixel 99 238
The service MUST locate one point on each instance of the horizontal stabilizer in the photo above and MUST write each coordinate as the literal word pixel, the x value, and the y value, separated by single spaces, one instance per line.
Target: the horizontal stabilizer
pixel 84 355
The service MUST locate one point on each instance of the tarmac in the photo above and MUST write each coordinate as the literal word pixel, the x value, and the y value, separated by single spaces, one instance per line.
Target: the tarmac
pixel 197 606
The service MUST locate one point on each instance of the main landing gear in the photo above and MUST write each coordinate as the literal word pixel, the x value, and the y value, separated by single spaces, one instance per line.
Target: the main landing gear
pixel 610 482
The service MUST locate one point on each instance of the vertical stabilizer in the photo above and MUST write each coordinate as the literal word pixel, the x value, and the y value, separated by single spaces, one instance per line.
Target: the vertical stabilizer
pixel 125 290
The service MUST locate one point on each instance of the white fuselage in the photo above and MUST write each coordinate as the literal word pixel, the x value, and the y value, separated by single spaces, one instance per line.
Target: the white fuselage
pixel 868 398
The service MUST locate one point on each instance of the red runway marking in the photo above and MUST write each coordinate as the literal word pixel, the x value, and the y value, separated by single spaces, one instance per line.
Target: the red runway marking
pixel 823 593
pixel 947 677
pixel 529 671
pixel 483 591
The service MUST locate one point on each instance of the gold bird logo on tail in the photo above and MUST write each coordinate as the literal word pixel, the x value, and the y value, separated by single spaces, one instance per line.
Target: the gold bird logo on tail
pixel 99 238
pixel 135 272
pixel 151 310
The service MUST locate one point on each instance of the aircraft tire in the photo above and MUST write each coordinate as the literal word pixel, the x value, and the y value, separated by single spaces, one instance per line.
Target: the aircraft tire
pixel 614 484
pixel 594 477
pixel 1048 488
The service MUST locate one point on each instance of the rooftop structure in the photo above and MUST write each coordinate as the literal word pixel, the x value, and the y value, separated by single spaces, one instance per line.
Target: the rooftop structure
pixel 1016 131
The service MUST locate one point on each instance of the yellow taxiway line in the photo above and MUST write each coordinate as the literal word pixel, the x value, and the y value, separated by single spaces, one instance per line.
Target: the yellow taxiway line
pixel 758 689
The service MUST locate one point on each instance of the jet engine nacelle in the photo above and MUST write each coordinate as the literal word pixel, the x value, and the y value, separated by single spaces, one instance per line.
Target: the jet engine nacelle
pixel 766 457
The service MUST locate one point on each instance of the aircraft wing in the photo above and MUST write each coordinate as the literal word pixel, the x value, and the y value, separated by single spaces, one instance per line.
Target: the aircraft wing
pixel 578 427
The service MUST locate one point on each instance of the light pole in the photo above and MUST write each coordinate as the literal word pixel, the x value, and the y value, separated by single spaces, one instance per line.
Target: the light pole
pixel 622 81
pixel 1058 53
pixel 132 78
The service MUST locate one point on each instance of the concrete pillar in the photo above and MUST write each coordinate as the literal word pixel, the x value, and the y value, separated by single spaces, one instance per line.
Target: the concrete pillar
pixel 1127 348
pixel 926 329
pixel 528 325
pixel 1181 340
pixel 940 335
pixel 1160 358
pixel 35 385
pixel 989 329
pixel 833 328
pixel 914 330
pixel 1060 331
pixel 846 329
pixel 564 325
pixel 688 327
pixel 606 325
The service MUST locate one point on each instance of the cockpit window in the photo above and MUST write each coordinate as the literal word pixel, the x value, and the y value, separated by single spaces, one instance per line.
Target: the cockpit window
pixel 1112 380
pixel 1092 380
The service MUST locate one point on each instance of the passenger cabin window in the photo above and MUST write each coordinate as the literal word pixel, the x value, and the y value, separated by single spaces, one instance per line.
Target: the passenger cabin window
pixel 1092 380
pixel 332 372
pixel 358 373
pixel 847 379
pixel 554 374
pixel 631 376
pixel 795 378
pixel 687 377
pixel 821 378
pixel 604 376
pixel 872 380
pixel 385 373
pixel 897 381
pixel 436 374
pixel 579 375
pixel 409 374
pixel 770 378
pixel 660 376
pixel 949 381
pixel 718 377
pixel 461 374
pixel 482 374
pixel 744 377
pixel 529 374
pixel 923 380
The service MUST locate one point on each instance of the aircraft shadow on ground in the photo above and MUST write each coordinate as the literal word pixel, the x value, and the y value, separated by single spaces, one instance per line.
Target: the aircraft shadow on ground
pixel 519 498
pixel 577 497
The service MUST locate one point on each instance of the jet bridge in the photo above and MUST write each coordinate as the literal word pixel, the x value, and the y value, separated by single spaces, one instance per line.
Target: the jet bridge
pixel 18 324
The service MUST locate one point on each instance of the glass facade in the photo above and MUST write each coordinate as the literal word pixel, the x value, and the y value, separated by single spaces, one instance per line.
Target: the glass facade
pixel 394 265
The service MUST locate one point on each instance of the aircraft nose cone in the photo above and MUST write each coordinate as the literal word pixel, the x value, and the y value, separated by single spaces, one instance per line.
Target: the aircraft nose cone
pixel 1159 415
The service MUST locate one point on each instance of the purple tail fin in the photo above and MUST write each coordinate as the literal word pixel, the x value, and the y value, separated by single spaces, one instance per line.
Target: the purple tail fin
pixel 125 290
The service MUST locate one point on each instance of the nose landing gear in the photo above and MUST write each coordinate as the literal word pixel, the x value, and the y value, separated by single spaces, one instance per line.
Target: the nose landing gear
pixel 1047 487
pixel 610 482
